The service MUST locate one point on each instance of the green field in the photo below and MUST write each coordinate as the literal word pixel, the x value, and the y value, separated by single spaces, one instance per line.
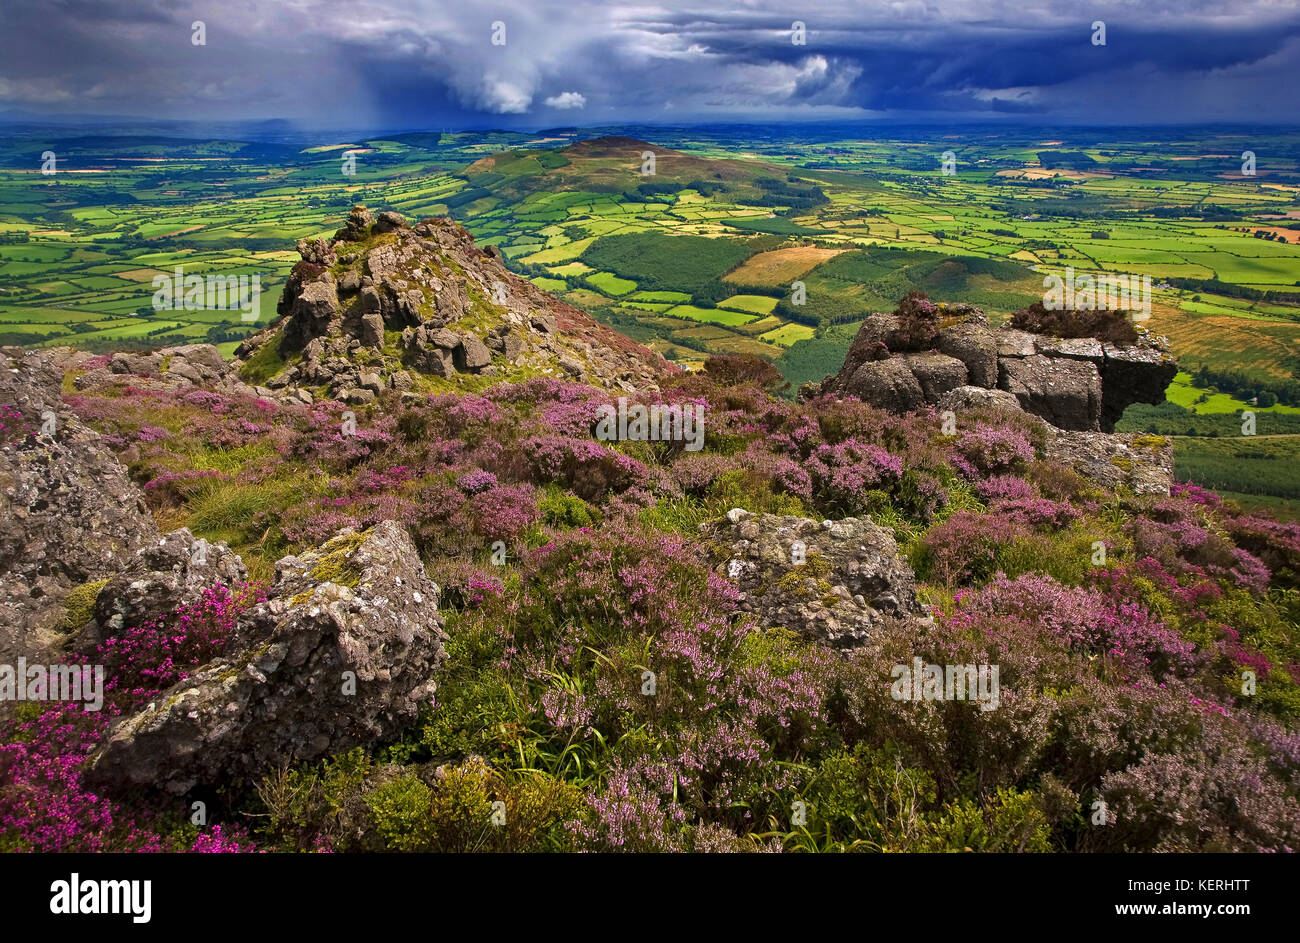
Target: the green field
pixel 1182 392
pixel 670 296
pixel 754 304
pixel 611 284
pixel 789 334
pixel 1264 467
pixel 709 315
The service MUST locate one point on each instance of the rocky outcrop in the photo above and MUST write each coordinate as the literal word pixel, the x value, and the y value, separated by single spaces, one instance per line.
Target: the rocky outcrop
pixel 387 298
pixel 1137 374
pixel 69 515
pixel 1080 384
pixel 1065 392
pixel 341 654
pixel 834 582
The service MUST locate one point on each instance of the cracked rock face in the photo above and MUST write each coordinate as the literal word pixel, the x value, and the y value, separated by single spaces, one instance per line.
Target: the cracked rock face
pixel 341 654
pixel 835 582
pixel 69 514
pixel 1064 391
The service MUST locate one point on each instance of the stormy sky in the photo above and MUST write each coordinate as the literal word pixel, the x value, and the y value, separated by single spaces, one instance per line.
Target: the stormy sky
pixel 433 63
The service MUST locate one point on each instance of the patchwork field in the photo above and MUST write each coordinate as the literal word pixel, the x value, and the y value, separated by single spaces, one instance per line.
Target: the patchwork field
pixel 714 236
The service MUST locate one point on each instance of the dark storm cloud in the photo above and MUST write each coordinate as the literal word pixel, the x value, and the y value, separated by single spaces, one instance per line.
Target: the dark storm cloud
pixel 419 62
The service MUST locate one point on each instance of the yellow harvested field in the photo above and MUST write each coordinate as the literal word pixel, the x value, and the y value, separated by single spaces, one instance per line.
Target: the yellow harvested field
pixel 1040 173
pixel 138 274
pixel 1198 337
pixel 780 265
pixel 1283 235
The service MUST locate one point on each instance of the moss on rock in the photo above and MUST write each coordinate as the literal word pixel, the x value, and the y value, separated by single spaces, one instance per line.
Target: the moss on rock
pixel 79 606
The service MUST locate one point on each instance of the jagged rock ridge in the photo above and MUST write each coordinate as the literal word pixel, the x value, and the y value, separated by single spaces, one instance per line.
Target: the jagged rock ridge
pixel 384 304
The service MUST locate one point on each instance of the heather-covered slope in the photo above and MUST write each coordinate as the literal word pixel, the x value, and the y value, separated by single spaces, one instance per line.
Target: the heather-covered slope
pixel 1120 681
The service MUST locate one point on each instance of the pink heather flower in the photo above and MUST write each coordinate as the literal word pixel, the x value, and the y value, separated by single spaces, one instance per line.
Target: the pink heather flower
pixel 153 433
pixel 1085 620
pixel 12 425
pixel 472 482
pixel 385 480
pixel 503 513
pixel 1195 494
pixel 1004 488
pixel 966 545
pixel 482 587
pixel 205 399
pixel 467 409
pixel 566 710
pixel 44 805
pixel 990 450
pixel 1036 513
pixel 222 842
pixel 842 473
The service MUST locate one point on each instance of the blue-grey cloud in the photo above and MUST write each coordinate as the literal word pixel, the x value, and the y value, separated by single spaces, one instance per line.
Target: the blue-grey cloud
pixel 405 63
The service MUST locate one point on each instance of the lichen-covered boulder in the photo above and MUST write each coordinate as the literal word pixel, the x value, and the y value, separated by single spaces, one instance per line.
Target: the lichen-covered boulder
pixel 937 373
pixel 1143 463
pixel 835 582
pixel 472 353
pixel 885 384
pixel 963 398
pixel 341 654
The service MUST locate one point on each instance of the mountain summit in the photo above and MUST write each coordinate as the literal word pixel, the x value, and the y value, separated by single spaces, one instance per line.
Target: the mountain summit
pixel 386 305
